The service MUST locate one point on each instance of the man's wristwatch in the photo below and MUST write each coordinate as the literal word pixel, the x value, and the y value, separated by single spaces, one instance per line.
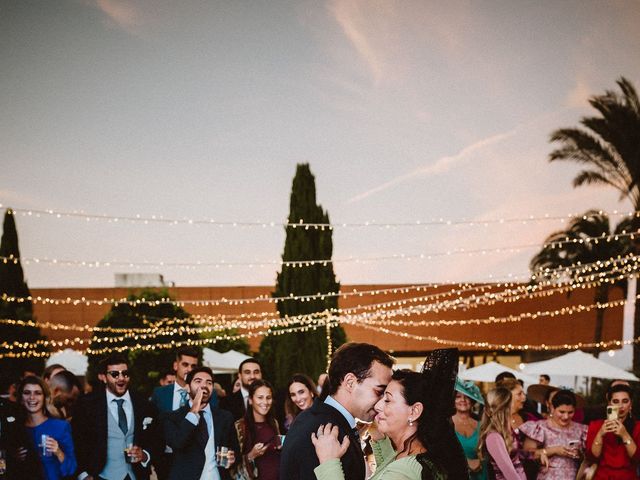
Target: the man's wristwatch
pixel 627 441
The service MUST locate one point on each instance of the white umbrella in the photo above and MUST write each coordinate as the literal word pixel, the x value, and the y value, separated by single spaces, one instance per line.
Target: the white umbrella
pixel 579 364
pixel 227 362
pixel 235 357
pixel 487 372
pixel 215 361
pixel 74 361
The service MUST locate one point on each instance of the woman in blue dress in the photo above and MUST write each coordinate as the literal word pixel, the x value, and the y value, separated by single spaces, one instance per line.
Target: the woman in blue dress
pixel 468 428
pixel 51 437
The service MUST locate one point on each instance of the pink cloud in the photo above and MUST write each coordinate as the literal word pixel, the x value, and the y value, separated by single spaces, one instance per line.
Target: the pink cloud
pixel 121 12
pixel 355 18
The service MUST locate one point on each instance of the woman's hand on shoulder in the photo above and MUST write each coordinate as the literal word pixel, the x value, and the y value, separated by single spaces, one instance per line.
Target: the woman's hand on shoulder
pixel 326 443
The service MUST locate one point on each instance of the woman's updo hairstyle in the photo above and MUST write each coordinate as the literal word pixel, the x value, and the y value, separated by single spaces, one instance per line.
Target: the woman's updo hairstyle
pixel 564 397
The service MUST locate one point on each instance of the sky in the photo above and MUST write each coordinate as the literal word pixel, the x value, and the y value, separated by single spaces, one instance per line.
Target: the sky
pixel 406 111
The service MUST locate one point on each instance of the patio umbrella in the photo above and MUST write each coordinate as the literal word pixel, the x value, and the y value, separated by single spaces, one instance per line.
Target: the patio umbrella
pixel 70 359
pixel 487 373
pixel 579 364
pixel 227 362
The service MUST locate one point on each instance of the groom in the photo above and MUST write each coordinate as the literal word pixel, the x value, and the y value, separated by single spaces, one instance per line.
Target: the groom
pixel 358 376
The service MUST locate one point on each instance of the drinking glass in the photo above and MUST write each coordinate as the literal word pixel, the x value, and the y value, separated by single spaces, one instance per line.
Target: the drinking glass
pixel 128 457
pixel 222 456
pixel 43 445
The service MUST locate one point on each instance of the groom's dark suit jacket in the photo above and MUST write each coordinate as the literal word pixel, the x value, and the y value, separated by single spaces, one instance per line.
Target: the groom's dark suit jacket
pixel 299 457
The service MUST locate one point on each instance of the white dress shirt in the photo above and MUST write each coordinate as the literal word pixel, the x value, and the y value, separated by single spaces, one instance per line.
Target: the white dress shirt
pixel 245 397
pixel 126 405
pixel 210 470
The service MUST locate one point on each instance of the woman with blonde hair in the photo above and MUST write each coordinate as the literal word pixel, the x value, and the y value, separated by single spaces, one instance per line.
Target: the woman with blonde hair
pixel 497 441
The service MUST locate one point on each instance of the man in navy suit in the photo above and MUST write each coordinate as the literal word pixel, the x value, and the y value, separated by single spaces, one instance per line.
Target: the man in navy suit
pixel 173 396
pixel 196 430
pixel 249 371
pixel 109 421
pixel 358 375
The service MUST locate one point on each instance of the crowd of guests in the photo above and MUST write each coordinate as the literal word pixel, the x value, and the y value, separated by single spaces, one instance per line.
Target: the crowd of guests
pixel 363 420
pixel 552 438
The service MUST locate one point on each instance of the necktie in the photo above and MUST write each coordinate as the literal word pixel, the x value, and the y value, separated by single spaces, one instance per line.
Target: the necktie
pixel 184 398
pixel 203 432
pixel 122 417
pixel 356 434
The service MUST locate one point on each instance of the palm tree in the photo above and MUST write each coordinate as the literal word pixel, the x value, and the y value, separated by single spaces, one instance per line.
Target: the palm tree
pixel 608 146
pixel 587 239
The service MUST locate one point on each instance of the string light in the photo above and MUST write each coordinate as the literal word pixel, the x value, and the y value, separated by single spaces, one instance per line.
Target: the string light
pixel 604 345
pixel 462 287
pixel 152 333
pixel 369 319
pixel 161 219
pixel 386 315
pixel 315 262
pixel 510 295
pixel 172 344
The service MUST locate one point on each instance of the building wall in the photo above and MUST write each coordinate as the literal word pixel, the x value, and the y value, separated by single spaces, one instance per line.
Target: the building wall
pixel 578 327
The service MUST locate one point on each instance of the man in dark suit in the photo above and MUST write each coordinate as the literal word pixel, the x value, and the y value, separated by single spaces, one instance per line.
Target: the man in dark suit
pixel 171 397
pixel 358 375
pixel 195 431
pixel 249 371
pixel 114 428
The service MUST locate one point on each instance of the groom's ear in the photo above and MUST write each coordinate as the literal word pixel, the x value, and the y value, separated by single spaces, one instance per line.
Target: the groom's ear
pixel 350 382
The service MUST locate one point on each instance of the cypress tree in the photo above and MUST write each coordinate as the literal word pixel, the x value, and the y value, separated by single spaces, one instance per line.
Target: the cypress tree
pixel 12 284
pixel 285 354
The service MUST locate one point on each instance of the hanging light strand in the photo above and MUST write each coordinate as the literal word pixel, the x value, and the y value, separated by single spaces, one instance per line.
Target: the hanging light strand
pixel 163 219
pixel 312 262
pixel 547 275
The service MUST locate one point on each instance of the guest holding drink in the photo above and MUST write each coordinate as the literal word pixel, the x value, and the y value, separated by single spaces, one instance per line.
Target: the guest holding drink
pixel 111 420
pixel 198 432
pixel 259 435
pixel 558 442
pixel 613 443
pixel 51 436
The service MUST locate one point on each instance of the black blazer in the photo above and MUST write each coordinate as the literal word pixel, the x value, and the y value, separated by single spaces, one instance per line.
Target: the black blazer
pixel 188 452
pixel 90 432
pixel 299 457
pixel 13 436
pixel 234 403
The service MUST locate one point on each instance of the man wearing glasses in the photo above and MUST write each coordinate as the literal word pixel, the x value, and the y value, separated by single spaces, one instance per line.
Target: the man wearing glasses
pixel 114 428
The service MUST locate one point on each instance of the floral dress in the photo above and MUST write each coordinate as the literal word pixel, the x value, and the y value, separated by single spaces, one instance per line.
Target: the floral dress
pixel 548 434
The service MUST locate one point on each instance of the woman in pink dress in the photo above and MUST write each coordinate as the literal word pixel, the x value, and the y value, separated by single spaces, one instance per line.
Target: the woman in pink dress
pixel 497 439
pixel 558 442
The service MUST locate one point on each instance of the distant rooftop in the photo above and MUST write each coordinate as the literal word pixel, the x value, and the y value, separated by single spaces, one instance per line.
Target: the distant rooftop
pixel 124 280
